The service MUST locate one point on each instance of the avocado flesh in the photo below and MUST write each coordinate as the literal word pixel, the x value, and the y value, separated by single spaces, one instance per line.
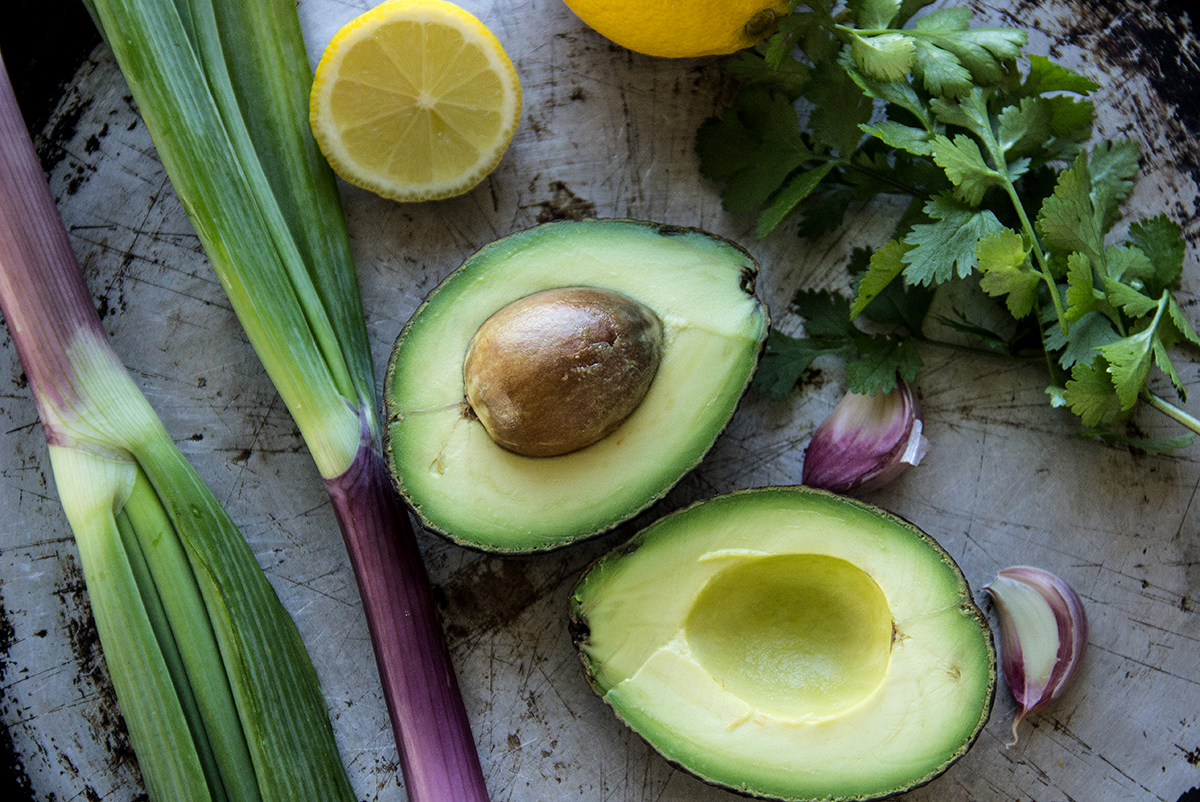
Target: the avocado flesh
pixel 465 486
pixel 789 643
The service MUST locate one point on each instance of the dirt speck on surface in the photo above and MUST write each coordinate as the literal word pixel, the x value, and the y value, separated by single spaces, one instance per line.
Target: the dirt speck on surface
pixel 14 782
pixel 564 205
pixel 1155 43
pixel 498 589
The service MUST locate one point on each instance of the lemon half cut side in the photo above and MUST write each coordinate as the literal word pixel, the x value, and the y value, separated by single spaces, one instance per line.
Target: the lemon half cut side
pixel 415 100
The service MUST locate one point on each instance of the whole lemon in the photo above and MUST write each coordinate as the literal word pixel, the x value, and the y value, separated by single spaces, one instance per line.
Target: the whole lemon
pixel 681 28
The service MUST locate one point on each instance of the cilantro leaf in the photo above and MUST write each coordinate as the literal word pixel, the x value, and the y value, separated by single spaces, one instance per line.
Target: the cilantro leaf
pixel 1071 120
pixel 1163 360
pixel 816 36
pixel 982 51
pixel 1018 168
pixel 1057 395
pixel 883 359
pixel 1048 76
pixel 786 358
pixel 1130 265
pixel 1112 168
pixel 900 94
pixel 871 172
pixel 1129 360
pixel 969 112
pixel 824 211
pixel 901 137
pixel 1161 240
pixel 826 314
pixel 1180 322
pixel 839 108
pixel 1067 220
pixel 941 71
pixel 752 147
pixel 885 57
pixel 1130 301
pixel 886 264
pixel 873 360
pixel 1081 294
pixel 946 246
pixel 944 21
pixel 903 305
pixel 1090 395
pixel 874 13
pixel 789 75
pixel 797 188
pixel 1007 271
pixel 1025 127
pixel 964 165
pixel 952 56
pixel 1084 338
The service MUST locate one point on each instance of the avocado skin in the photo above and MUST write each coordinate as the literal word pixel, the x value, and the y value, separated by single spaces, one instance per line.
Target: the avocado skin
pixel 746 282
pixel 579 628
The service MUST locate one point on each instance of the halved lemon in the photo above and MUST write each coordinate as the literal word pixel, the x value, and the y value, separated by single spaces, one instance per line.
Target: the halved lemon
pixel 415 100
pixel 674 29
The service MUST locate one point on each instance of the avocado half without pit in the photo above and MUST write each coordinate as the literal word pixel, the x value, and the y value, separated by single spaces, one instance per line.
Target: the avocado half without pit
pixel 789 643
pixel 566 377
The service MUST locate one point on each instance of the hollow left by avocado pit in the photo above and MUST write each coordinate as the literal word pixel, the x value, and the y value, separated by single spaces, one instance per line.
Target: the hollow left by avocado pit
pixel 796 635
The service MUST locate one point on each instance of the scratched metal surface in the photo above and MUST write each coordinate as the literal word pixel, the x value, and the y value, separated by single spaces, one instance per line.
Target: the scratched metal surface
pixel 609 133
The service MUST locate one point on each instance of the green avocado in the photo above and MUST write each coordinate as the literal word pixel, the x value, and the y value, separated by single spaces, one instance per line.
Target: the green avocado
pixel 789 643
pixel 695 292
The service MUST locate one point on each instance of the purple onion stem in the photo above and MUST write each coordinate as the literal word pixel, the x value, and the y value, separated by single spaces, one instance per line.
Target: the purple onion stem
pixel 437 751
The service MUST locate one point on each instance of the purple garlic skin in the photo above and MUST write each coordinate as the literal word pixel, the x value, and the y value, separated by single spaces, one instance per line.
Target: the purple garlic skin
pixel 1043 636
pixel 866 442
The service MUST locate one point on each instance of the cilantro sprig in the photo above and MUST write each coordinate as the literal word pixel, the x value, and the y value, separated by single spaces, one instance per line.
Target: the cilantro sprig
pixel 1005 189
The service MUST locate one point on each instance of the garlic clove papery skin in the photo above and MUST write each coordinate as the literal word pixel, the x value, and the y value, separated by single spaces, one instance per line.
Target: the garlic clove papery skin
pixel 866 442
pixel 1043 635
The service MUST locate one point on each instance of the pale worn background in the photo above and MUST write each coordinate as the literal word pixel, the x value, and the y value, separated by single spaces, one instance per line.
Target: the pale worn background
pixel 609 133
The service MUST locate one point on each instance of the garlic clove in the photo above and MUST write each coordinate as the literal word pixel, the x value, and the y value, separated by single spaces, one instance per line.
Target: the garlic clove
pixel 866 442
pixel 1043 635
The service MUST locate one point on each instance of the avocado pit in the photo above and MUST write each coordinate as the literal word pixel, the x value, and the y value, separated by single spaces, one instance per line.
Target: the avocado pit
pixel 559 370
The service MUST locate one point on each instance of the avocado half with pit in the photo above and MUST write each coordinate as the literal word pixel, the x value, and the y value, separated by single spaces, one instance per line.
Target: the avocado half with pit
pixel 566 377
pixel 789 643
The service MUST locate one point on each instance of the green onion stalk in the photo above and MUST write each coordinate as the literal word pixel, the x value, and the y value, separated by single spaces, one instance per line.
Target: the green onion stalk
pixel 217 692
pixel 223 86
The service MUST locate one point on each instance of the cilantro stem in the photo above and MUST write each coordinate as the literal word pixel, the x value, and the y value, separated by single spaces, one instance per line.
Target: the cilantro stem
pixel 851 31
pixel 904 188
pixel 972 349
pixel 999 163
pixel 1171 411
pixel 1040 255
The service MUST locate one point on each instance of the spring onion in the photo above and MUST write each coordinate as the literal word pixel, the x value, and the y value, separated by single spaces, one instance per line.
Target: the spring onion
pixel 215 686
pixel 223 86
